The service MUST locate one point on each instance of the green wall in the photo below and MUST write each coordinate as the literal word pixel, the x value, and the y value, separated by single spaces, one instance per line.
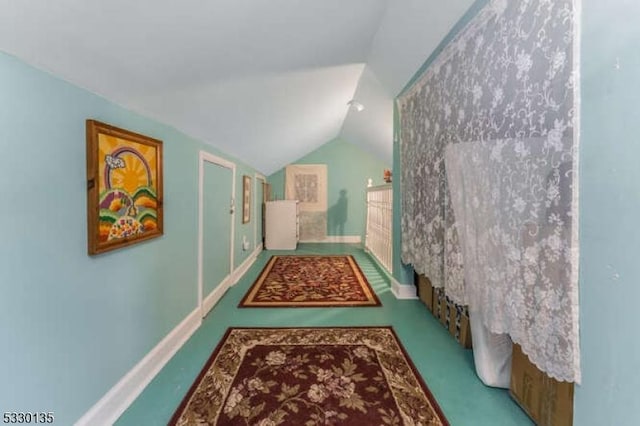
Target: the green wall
pixel 404 273
pixel 73 325
pixel 609 206
pixel 348 169
pixel 246 229
pixel 609 210
pixel 216 196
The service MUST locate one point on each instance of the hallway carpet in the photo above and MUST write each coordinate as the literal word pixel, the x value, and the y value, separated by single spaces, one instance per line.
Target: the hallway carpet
pixel 310 281
pixel 441 361
pixel 309 376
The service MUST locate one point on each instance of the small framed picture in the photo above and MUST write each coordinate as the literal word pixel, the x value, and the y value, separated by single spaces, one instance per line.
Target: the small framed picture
pixel 246 199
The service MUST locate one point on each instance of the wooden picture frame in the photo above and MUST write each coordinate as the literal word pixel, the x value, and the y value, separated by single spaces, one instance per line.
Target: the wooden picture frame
pixel 124 187
pixel 246 199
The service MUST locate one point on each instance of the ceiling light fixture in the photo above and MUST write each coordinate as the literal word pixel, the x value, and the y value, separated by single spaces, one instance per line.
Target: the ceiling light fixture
pixel 356 105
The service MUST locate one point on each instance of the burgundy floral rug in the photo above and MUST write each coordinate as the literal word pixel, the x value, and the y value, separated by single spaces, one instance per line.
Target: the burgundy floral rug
pixel 310 281
pixel 308 377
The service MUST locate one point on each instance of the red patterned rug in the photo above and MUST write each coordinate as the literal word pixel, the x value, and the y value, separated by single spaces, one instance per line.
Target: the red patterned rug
pixel 310 281
pixel 309 377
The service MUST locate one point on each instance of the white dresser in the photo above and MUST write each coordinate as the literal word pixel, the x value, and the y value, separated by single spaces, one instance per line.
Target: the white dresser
pixel 281 225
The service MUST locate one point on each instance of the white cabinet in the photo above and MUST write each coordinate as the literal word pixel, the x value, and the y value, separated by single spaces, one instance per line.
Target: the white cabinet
pixel 281 227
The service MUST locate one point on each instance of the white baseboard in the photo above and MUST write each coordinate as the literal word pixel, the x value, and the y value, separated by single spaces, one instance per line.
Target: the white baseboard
pixel 399 290
pixel 403 291
pixel 244 266
pixel 230 280
pixel 111 406
pixel 216 294
pixel 351 239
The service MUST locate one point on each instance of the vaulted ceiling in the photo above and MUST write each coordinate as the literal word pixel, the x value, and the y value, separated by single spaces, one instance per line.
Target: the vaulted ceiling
pixel 266 81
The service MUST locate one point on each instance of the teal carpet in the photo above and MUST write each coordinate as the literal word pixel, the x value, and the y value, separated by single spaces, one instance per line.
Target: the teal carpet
pixel 446 367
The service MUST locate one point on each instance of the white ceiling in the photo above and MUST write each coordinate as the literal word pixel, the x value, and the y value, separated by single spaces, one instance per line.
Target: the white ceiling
pixel 266 81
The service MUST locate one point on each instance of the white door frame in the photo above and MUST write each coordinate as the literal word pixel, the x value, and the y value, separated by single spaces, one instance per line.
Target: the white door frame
pixel 257 207
pixel 206 305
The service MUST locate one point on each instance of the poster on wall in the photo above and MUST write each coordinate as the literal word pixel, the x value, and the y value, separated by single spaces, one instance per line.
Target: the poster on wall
pixel 307 183
pixel 246 199
pixel 124 187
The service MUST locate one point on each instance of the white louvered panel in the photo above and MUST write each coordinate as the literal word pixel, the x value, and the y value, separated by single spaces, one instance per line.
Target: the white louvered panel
pixel 378 240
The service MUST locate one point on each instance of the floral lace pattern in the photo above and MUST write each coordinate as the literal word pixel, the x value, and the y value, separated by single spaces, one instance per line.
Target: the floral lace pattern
pixel 313 376
pixel 494 221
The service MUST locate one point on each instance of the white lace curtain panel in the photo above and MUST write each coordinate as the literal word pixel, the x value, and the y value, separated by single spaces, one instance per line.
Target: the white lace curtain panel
pixel 307 183
pixel 489 176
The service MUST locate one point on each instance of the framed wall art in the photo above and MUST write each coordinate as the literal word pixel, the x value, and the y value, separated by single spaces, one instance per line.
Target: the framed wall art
pixel 307 183
pixel 124 187
pixel 246 199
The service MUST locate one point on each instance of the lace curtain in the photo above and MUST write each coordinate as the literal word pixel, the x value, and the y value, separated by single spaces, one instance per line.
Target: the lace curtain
pixel 489 176
pixel 307 183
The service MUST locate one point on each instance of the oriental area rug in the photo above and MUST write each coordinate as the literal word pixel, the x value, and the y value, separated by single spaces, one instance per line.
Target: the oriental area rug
pixel 309 377
pixel 310 281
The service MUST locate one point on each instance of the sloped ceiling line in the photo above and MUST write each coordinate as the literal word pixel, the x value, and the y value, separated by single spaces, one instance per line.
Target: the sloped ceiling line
pixel 266 81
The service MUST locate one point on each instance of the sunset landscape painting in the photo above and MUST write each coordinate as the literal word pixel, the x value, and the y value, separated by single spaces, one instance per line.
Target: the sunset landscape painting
pixel 124 173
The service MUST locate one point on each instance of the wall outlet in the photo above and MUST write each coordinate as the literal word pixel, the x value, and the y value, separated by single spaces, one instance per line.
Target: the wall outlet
pixel 245 243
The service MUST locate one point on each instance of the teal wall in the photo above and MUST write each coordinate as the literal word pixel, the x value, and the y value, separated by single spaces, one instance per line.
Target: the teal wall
pixel 244 229
pixel 609 211
pixel 258 206
pixel 609 206
pixel 216 223
pixel 401 273
pixel 72 325
pixel 348 168
pixel 276 180
pixel 473 10
pixel 404 273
